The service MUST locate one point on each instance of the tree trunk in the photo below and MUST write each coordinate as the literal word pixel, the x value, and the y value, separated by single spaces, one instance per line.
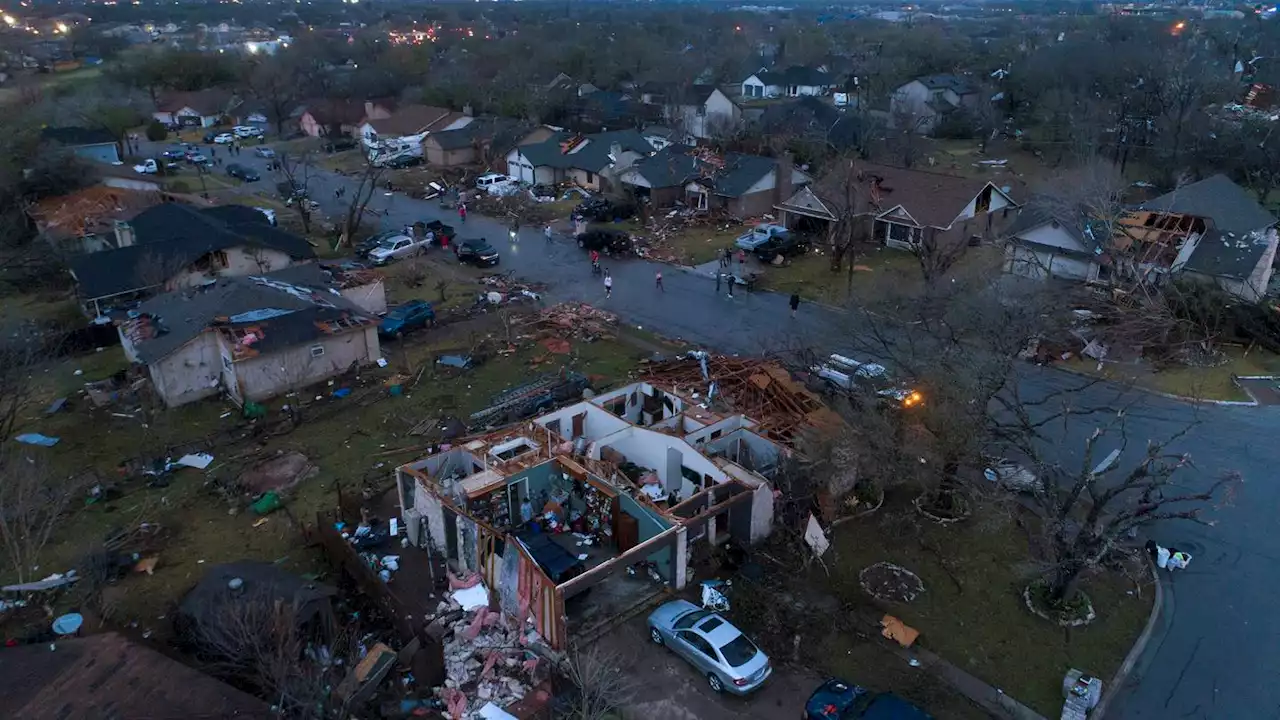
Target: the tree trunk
pixel 1065 582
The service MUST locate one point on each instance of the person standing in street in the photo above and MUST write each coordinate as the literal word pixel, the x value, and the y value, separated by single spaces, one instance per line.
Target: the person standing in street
pixel 462 212
pixel 795 304
pixel 732 279
pixel 546 231
pixel 608 284
pixel 657 279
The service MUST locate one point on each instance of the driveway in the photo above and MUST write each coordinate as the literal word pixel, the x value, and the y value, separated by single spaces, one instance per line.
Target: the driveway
pixel 1221 638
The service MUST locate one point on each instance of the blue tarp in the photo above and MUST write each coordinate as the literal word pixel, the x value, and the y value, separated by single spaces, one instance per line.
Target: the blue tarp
pixel 37 439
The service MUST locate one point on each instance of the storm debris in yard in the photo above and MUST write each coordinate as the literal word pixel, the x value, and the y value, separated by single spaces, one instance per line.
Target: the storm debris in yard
pixel 279 474
pixel 891 583
pixel 580 321
pixel 759 389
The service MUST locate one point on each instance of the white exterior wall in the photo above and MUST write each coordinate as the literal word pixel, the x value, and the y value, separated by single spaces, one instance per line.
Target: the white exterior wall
pixel 648 448
pixel 598 424
pixel 241 261
pixel 268 375
pixel 1042 262
pixel 191 373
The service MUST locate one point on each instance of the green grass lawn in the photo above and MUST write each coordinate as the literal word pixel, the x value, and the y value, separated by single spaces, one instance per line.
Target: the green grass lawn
pixel 348 439
pixel 1210 383
pixel 691 245
pixel 972 612
pixel 812 278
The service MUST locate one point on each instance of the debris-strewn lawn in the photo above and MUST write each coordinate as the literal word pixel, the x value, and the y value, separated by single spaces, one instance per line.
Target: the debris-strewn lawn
pixel 1201 383
pixel 355 441
pixel 971 612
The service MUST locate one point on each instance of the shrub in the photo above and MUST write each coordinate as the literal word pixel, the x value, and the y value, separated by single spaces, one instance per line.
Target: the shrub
pixel 156 131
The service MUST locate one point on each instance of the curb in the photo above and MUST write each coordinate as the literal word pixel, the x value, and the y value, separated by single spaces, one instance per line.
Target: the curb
pixel 1157 393
pixel 1122 673
pixel 988 697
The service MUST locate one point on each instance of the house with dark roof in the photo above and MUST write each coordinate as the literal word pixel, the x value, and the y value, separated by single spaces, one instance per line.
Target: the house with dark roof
pixel 905 207
pixel 410 124
pixel 695 112
pixel 327 117
pixel 1045 244
pixel 921 104
pixel 251 337
pixel 109 676
pixel 485 140
pixel 172 246
pixel 810 118
pixel 742 185
pixel 795 81
pixel 202 108
pixel 589 161
pixel 1212 230
pixel 97 144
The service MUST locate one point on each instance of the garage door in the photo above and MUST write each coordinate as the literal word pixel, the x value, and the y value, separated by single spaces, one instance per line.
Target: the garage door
pixel 1025 262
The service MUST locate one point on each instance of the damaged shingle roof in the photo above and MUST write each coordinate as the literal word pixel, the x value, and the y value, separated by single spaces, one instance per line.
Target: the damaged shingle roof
pixel 796 75
pixel 730 175
pixel 285 314
pixel 171 236
pixel 77 136
pixel 1231 208
pixel 591 155
pixel 1237 241
pixel 107 677
pixel 955 83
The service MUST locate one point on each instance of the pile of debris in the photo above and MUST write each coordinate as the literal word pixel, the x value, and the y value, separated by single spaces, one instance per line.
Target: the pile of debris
pixel 490 658
pixel 759 389
pixel 580 321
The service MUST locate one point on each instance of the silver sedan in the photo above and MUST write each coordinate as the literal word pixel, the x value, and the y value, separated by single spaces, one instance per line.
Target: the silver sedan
pixel 730 661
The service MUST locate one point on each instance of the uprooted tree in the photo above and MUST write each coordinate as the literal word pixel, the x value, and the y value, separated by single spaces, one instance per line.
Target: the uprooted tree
pixel 599 686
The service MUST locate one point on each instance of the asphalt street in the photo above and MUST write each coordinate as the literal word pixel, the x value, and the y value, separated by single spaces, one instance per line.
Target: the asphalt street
pixel 1187 671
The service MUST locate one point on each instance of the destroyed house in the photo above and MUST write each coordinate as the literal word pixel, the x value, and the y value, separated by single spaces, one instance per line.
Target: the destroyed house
pixel 609 494
pixel 173 246
pixel 250 337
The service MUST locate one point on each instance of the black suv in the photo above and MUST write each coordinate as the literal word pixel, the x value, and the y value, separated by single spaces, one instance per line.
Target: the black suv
pixel 786 245
pixel 404 161
pixel 339 144
pixel 602 209
pixel 609 242
pixel 240 172
pixel 476 252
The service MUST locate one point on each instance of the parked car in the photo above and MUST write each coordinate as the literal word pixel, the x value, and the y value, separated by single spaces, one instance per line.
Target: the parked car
pixel 845 373
pixel 366 246
pixel 609 242
pixel 484 182
pixel 403 161
pixel 209 136
pixel 759 235
pixel 244 173
pixel 839 700
pixel 198 159
pixel 174 153
pixel 787 245
pixel 602 209
pixel 246 131
pixel 339 144
pixel 730 661
pixel 224 139
pixel 413 315
pixel 264 152
pixel 440 230
pixel 396 247
pixel 151 167
pixel 476 252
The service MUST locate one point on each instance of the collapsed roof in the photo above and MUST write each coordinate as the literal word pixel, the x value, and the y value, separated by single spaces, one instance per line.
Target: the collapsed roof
pixel 171 236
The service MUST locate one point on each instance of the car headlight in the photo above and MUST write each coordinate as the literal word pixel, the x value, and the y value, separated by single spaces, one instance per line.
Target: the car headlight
pixel 912 399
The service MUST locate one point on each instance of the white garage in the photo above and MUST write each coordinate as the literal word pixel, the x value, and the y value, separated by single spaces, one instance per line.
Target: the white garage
pixel 1051 250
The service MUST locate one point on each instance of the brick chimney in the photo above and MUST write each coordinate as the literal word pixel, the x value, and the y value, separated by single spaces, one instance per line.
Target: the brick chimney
pixel 782 180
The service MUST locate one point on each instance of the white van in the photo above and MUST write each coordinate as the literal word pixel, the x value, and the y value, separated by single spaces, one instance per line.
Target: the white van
pixel 487 181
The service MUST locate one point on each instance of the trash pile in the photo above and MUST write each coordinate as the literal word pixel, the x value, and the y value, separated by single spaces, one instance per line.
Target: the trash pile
pixel 490 659
pixel 580 321
pixel 370 539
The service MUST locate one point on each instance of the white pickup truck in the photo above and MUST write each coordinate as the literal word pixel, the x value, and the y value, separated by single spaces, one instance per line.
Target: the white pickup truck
pixel 846 373
pixel 150 167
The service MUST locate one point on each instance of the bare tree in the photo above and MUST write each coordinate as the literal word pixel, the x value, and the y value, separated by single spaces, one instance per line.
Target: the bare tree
pixel 366 186
pixel 260 641
pixel 600 687
pixel 297 173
